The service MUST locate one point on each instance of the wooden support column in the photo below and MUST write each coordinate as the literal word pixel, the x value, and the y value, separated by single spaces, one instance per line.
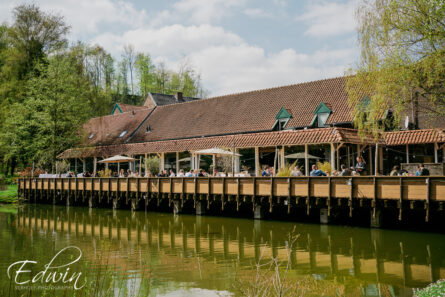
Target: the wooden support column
pixel 333 156
pixel 95 165
pixel 306 160
pixel 237 162
pixel 145 164
pixel 376 167
pixel 370 160
pixel 162 159
pixel 282 159
pixel 436 155
pixel 75 165
pixel 140 166
pixel 177 163
pixel 257 162
pixel 407 153
pixel 381 159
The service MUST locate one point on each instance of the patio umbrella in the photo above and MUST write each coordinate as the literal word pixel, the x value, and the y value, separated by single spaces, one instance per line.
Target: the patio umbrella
pixel 117 159
pixel 300 156
pixel 217 152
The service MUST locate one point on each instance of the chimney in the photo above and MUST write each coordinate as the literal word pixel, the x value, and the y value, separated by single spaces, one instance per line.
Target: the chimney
pixel 178 97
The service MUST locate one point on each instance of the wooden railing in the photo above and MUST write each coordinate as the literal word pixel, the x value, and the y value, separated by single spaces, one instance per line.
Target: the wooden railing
pixel 361 187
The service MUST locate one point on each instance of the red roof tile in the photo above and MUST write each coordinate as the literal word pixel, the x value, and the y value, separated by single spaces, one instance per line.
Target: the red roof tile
pixel 253 111
pixel 288 137
pixel 414 137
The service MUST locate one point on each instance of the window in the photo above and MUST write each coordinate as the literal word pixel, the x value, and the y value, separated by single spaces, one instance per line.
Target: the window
pixel 282 118
pixel 147 129
pixel 123 134
pixel 321 115
pixel 322 118
pixel 91 136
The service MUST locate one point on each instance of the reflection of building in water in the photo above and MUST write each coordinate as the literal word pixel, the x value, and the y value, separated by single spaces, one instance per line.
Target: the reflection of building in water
pixel 370 257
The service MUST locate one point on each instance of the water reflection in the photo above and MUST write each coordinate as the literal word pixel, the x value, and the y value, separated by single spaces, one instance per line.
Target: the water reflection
pixel 207 253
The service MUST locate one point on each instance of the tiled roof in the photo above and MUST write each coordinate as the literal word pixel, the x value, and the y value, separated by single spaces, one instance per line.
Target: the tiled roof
pixel 107 129
pixel 128 107
pixel 287 137
pixel 248 112
pixel 414 137
pixel 164 99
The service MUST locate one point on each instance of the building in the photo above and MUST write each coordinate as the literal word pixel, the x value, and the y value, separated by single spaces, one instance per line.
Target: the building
pixel 302 123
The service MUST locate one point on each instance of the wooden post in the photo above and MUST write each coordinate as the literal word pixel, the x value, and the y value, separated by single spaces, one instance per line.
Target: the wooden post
pixel 214 161
pixel 306 160
pixel 436 156
pixel 257 162
pixel 75 166
pixel 407 153
pixel 370 160
pixel 95 165
pixel 381 159
pixel 177 163
pixel 162 165
pixel 376 159
pixel 282 159
pixel 349 156
pixel 145 164
pixel 140 166
pixel 333 157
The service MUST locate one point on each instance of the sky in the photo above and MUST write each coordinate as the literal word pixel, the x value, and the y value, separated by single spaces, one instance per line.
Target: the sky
pixel 235 45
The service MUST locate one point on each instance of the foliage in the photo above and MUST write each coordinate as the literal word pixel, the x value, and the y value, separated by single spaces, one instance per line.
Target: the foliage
pixel 152 164
pixel 224 163
pixel 434 289
pixel 48 89
pixel 402 65
pixel 286 170
pixel 105 173
pixel 325 167
pixel 62 166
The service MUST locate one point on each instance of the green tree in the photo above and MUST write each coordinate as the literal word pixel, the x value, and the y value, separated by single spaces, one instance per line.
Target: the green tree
pixel 55 106
pixel 402 60
pixel 145 72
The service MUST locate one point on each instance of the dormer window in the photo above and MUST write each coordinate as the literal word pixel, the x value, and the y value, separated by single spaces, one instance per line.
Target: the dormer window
pixel 321 115
pixel 91 136
pixel 282 119
pixel 123 134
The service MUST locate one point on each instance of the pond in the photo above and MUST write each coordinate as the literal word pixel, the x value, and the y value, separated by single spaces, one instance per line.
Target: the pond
pixel 124 253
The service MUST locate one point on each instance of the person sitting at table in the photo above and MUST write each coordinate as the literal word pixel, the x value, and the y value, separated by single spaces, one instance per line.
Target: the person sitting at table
pixel 181 173
pixel 422 171
pixel 216 173
pixel 345 171
pixel 296 172
pixel 316 172
pixel 172 174
pixel 360 167
pixel 266 172
pixel 201 173
pixel 190 173
pixel 395 171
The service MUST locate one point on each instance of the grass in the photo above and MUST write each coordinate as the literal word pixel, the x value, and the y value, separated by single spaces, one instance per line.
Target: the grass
pixel 9 195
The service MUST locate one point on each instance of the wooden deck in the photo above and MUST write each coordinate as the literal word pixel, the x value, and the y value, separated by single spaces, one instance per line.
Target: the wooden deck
pixel 320 191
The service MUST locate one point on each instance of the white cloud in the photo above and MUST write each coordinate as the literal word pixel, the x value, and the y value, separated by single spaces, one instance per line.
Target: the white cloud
pixel 170 42
pixel 329 18
pixel 197 11
pixel 85 16
pixel 256 13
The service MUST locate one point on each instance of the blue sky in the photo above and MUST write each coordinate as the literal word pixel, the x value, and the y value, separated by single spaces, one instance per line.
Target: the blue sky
pixel 236 45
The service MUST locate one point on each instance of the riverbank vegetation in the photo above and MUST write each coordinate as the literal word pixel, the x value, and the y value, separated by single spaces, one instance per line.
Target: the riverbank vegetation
pixel 9 195
pixel 50 86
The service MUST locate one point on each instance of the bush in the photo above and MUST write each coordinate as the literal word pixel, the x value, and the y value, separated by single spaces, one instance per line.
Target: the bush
pixel 325 167
pixel 434 289
pixel 152 164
